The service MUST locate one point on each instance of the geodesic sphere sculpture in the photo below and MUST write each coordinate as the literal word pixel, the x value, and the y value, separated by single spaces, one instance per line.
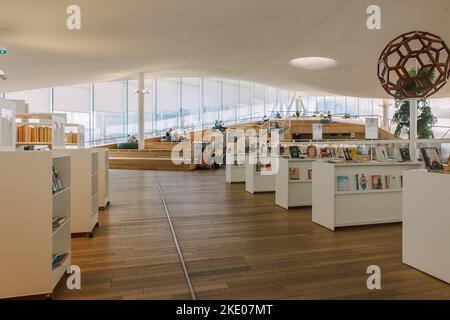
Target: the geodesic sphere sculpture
pixel 414 65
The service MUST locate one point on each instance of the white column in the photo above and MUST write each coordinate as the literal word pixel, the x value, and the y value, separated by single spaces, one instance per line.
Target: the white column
pixel 385 114
pixel 141 104
pixel 413 105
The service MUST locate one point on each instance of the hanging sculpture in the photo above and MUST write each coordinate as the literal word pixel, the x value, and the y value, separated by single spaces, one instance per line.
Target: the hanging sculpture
pixel 414 65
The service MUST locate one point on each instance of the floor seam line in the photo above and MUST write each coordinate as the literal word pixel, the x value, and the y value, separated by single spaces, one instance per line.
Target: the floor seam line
pixel 175 239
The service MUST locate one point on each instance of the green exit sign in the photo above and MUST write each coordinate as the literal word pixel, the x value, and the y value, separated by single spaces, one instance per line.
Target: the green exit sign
pixel 3 50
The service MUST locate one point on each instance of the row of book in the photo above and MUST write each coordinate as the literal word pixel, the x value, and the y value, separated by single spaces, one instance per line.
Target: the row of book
pixel 294 174
pixel 34 134
pixel 56 181
pixel 71 138
pixel 263 167
pixel 363 182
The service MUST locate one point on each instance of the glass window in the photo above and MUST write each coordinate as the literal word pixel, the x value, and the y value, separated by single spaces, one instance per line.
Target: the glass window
pixel 168 108
pixel 271 101
pixel 191 103
pixel 229 100
pixel 245 101
pixel 212 101
pixel 38 100
pixel 259 102
pixel 133 107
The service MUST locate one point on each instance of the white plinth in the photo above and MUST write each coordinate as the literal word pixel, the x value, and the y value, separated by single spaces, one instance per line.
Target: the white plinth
pixel 235 173
pixel 258 181
pixel 333 208
pixel 426 223
pixel 293 193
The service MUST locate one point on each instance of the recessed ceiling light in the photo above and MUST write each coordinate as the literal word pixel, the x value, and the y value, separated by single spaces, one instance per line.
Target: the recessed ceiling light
pixel 314 63
pixel 3 75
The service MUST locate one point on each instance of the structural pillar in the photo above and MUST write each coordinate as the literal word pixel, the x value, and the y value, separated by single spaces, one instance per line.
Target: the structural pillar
pixel 385 114
pixel 413 105
pixel 141 111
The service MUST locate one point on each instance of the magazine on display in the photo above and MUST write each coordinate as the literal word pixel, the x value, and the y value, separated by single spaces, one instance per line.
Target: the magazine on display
pixel 431 158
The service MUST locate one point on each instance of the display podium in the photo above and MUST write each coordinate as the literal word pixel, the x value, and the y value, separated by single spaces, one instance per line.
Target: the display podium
pixel 426 223
pixel 262 179
pixel 336 204
pixel 293 183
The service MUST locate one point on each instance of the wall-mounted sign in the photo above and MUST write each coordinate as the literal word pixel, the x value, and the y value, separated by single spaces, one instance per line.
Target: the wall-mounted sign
pixel 317 131
pixel 371 128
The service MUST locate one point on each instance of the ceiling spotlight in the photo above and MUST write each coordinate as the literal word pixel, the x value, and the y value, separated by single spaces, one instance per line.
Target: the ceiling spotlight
pixel 3 75
pixel 314 63
pixel 143 91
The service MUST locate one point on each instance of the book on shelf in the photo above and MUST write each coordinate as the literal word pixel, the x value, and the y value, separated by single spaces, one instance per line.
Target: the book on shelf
pixel 294 173
pixel 311 151
pixel 347 155
pixel 432 158
pixel 34 134
pixel 58 222
pixel 56 181
pixel 404 154
pixel 361 182
pixel 324 152
pixel 294 151
pixel 343 183
pixel 310 174
pixel 58 260
pixel 393 182
pixel 381 153
pixel 377 182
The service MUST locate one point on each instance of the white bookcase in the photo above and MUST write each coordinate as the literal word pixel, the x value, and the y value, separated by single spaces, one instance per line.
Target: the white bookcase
pixel 32 123
pixel 7 125
pixel 294 192
pixel 235 173
pixel 74 135
pixel 334 208
pixel 84 189
pixel 103 178
pixel 236 158
pixel 426 223
pixel 263 181
pixel 28 241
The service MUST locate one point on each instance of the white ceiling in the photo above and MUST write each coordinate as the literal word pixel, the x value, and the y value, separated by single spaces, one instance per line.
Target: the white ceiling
pixel 240 39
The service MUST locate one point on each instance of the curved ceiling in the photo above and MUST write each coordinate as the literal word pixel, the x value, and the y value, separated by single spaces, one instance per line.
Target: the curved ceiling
pixel 242 39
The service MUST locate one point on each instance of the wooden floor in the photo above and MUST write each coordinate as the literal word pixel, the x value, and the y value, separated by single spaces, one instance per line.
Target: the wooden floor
pixel 236 246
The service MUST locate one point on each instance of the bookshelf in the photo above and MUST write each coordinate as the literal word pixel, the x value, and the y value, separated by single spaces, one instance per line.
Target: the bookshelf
pixel 84 189
pixel 26 267
pixel 294 192
pixel 74 135
pixel 260 181
pixel 40 129
pixel 334 207
pixel 7 125
pixel 103 178
pixel 426 223
pixel 235 157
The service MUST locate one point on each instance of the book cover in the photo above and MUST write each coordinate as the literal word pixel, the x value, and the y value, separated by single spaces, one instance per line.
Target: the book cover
pixel 377 182
pixel 294 173
pixel 361 182
pixel 343 183
pixel 324 152
pixel 381 153
pixel 431 158
pixel 393 182
pixel 312 151
pixel 404 154
pixel 294 151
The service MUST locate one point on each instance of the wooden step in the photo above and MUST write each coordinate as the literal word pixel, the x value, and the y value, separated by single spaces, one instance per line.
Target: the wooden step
pixel 147 164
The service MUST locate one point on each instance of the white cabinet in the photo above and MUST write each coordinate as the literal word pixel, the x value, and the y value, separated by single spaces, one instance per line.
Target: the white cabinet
pixel 235 173
pixel 349 194
pixel 426 223
pixel 28 241
pixel 293 183
pixel 103 178
pixel 261 177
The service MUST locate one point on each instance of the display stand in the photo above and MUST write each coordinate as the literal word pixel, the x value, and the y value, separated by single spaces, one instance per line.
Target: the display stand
pixel 235 164
pixel 28 238
pixel 333 208
pixel 84 189
pixel 40 129
pixel 263 181
pixel 74 135
pixel 7 125
pixel 235 173
pixel 103 178
pixel 294 191
pixel 426 223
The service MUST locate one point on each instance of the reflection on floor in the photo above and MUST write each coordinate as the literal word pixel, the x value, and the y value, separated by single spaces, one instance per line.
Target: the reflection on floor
pixel 236 246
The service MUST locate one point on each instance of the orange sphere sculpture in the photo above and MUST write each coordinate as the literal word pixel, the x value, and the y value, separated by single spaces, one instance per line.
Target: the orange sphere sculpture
pixel 414 65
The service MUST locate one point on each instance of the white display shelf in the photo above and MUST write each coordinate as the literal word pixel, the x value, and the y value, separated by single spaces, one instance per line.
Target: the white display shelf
pixel 260 181
pixel 235 173
pixel 28 206
pixel 426 223
pixel 74 135
pixel 84 189
pixel 7 125
pixel 103 178
pixel 333 208
pixel 293 193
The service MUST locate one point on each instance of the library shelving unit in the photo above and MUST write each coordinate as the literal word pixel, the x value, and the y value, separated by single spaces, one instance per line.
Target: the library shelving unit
pixel 334 207
pixel 263 179
pixel 235 164
pixel 74 135
pixel 40 129
pixel 103 178
pixel 235 173
pixel 29 205
pixel 293 183
pixel 84 189
pixel 7 125
pixel 426 223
